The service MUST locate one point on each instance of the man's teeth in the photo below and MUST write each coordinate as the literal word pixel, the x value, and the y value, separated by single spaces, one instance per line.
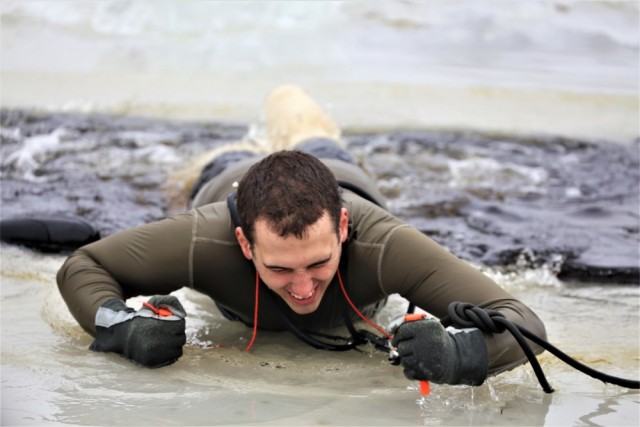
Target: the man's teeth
pixel 296 296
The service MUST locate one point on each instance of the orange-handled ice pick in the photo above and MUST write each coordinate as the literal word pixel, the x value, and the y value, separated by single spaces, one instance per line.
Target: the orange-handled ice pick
pixel 425 388
pixel 160 311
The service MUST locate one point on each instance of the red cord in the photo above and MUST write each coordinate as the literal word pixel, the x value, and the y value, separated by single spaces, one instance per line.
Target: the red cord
pixel 255 314
pixel 362 316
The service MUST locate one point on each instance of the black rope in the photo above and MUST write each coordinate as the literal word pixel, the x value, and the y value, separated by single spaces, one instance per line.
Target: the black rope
pixel 467 315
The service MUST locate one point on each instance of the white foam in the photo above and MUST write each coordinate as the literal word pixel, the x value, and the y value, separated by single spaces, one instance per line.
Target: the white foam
pixel 34 151
pixel 489 172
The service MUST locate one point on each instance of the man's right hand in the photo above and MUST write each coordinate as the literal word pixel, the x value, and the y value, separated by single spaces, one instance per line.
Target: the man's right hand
pixel 152 336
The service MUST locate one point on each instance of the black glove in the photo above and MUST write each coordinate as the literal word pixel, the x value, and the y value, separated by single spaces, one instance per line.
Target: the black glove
pixel 430 352
pixel 152 336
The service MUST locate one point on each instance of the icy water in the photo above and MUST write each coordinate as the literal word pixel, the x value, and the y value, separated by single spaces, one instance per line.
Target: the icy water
pixel 512 207
pixel 508 133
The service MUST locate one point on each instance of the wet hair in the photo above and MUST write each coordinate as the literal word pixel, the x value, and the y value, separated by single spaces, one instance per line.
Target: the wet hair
pixel 291 190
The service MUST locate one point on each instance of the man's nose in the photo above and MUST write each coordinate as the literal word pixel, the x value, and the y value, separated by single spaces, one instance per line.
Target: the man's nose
pixel 302 280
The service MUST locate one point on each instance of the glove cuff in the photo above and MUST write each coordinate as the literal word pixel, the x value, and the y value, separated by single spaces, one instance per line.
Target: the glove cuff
pixel 113 312
pixel 473 360
pixel 109 338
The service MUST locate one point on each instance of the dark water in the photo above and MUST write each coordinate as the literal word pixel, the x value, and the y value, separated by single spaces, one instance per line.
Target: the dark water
pixel 506 201
pixel 494 199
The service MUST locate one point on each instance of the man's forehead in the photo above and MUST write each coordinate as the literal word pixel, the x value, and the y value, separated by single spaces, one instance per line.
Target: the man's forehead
pixel 318 241
pixel 265 228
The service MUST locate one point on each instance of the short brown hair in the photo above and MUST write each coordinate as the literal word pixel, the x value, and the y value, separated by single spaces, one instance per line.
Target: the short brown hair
pixel 291 190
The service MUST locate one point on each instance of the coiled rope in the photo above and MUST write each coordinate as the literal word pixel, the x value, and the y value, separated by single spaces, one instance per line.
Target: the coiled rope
pixel 465 315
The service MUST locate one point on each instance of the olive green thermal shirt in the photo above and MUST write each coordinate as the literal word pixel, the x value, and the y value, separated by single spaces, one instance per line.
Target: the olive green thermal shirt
pixel 198 249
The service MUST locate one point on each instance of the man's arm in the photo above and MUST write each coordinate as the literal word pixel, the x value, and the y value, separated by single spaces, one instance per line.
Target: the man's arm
pixel 429 276
pixel 147 260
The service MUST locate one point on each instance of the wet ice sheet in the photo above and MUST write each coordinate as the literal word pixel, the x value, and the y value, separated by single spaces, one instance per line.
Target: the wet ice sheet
pixel 49 377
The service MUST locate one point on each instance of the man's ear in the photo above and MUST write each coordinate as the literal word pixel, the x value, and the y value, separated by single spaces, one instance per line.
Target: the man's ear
pixel 244 243
pixel 344 224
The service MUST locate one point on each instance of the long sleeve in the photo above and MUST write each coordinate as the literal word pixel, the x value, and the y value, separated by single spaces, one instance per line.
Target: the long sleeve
pixel 428 275
pixel 147 260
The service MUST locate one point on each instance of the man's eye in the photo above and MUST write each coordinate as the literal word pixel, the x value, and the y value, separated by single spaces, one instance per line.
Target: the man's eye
pixel 319 265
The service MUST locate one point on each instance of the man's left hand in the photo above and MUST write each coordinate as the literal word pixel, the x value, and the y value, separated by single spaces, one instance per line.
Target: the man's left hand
pixel 430 352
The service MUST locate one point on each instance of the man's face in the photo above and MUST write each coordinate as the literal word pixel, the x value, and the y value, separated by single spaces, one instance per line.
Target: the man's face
pixel 298 270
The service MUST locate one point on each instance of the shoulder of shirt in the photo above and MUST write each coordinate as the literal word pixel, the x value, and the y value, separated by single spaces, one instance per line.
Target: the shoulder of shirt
pixel 369 222
pixel 213 222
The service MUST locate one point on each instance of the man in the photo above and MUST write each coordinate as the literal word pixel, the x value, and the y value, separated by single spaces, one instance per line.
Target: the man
pixel 291 249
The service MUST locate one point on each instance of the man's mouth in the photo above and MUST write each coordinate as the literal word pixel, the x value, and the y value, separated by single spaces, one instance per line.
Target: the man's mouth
pixel 303 298
pixel 296 296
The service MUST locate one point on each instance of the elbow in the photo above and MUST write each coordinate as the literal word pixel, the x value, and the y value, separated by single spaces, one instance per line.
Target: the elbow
pixel 75 292
pixel 62 275
pixel 504 351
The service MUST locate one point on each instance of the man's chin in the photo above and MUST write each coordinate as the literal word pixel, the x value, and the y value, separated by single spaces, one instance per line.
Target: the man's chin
pixel 303 306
